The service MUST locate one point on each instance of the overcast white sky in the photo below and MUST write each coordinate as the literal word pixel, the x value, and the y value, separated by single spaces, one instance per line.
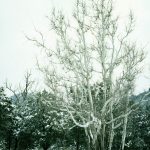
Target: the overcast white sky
pixel 20 16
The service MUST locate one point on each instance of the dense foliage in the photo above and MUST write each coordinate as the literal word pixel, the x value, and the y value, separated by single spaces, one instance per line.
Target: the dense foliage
pixel 36 123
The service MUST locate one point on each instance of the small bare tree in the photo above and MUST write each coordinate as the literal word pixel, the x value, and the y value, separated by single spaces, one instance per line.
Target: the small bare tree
pixel 91 48
pixel 23 91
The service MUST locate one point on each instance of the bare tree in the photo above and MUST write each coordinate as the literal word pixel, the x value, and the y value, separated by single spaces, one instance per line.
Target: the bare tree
pixel 23 91
pixel 91 49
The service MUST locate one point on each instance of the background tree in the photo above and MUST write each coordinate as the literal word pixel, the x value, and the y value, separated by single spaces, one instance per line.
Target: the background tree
pixel 45 121
pixel 6 120
pixel 22 99
pixel 139 128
